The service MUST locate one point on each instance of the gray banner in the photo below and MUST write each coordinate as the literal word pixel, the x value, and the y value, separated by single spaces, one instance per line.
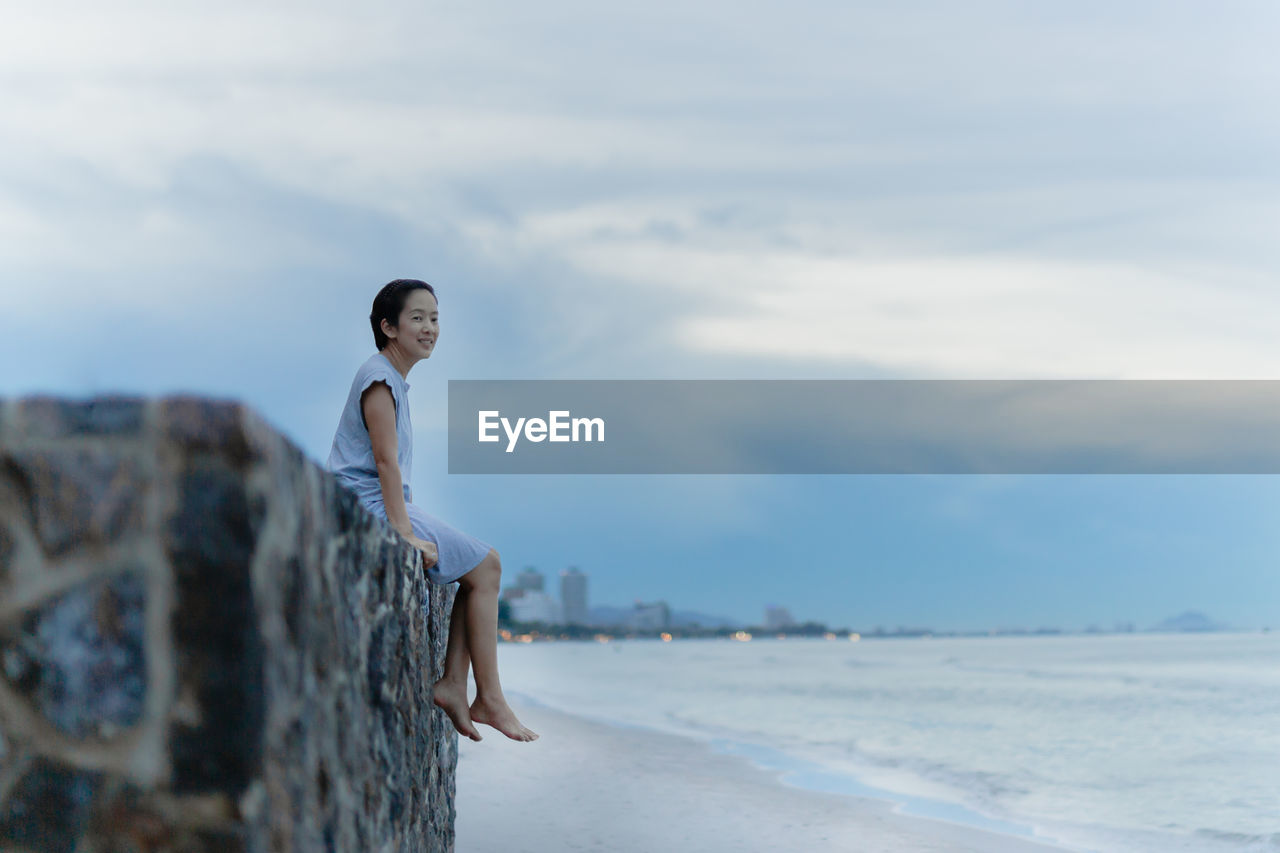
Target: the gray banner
pixel 864 427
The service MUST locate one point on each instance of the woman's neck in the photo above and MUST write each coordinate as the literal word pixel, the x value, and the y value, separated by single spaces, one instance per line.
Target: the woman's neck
pixel 399 359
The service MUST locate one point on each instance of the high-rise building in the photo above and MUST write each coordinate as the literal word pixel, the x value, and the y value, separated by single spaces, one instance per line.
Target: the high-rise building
pixel 573 596
pixel 530 579
pixel 534 605
pixel 776 617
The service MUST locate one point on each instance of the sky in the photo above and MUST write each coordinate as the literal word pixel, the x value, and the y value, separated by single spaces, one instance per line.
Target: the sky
pixel 205 199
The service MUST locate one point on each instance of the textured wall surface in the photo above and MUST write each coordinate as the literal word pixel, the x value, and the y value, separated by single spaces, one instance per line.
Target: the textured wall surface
pixel 206 643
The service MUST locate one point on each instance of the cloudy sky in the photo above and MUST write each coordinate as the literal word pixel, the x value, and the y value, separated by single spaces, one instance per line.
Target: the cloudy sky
pixel 206 199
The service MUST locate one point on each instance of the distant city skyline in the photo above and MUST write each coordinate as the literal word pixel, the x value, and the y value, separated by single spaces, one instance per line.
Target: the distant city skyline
pixel 530 603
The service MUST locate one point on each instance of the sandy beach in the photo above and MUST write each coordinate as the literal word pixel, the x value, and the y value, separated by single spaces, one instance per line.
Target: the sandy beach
pixel 588 786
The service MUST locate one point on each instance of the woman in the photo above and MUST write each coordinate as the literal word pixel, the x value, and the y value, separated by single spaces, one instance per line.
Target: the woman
pixel 373 456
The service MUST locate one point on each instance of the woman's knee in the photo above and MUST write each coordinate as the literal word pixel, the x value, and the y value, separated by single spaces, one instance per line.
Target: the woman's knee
pixel 486 575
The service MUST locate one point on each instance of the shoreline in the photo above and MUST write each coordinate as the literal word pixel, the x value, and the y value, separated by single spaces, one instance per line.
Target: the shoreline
pixel 587 784
pixel 809 774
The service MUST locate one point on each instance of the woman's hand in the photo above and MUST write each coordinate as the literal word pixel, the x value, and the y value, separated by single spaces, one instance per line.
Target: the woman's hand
pixel 428 549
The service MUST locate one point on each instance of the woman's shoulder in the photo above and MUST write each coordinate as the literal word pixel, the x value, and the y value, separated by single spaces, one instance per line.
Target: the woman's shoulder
pixel 377 367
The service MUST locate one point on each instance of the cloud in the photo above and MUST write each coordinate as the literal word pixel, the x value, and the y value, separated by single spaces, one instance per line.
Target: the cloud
pixel 989 191
pixel 822 283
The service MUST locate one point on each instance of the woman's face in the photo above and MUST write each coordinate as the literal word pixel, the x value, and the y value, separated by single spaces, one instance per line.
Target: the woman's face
pixel 419 326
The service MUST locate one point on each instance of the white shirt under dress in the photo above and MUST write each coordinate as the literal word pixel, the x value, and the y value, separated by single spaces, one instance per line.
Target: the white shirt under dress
pixel 351 461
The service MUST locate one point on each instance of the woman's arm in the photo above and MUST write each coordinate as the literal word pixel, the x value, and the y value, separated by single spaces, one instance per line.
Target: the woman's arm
pixel 379 409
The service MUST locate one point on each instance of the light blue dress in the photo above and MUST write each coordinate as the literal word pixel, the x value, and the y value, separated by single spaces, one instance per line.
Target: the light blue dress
pixel 351 461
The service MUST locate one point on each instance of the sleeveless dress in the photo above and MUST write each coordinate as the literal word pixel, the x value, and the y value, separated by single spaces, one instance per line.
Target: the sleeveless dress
pixel 351 461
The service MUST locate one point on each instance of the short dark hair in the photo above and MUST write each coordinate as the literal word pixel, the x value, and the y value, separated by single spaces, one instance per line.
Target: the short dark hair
pixel 389 302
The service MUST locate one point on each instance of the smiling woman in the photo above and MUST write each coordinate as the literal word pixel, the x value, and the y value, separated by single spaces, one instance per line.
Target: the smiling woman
pixel 372 455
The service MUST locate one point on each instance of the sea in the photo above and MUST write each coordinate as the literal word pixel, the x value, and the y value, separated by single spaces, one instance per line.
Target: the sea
pixel 1128 743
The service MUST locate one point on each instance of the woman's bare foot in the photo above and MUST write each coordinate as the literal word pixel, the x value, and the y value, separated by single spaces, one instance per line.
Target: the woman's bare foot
pixel 499 715
pixel 453 700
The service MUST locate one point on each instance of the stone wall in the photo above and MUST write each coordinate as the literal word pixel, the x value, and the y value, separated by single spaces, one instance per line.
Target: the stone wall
pixel 206 644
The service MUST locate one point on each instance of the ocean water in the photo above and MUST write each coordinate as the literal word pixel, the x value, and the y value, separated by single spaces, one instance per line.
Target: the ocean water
pixel 1137 743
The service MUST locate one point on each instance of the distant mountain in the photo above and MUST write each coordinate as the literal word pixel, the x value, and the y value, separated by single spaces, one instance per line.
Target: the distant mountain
pixel 1192 620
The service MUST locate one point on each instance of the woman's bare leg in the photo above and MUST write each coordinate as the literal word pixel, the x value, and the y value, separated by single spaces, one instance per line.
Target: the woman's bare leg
pixel 490 707
pixel 450 692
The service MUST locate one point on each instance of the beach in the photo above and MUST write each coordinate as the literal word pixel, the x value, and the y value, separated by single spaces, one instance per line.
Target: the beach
pixel 590 786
